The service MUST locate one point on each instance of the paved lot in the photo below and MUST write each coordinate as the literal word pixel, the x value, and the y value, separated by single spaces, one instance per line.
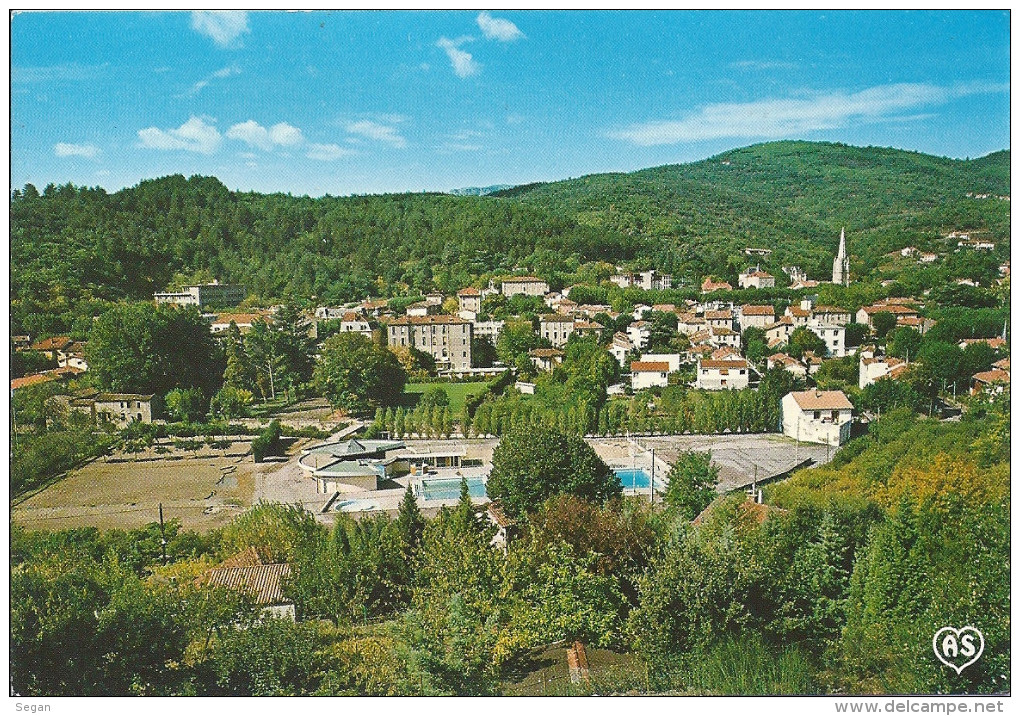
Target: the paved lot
pixel 740 456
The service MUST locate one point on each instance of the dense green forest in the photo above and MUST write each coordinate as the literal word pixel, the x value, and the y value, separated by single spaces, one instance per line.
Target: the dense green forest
pixel 74 248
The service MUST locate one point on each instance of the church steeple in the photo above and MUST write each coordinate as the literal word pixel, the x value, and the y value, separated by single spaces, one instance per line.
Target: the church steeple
pixel 841 264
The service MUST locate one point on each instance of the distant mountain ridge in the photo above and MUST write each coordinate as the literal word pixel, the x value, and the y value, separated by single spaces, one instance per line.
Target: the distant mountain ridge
pixel 72 243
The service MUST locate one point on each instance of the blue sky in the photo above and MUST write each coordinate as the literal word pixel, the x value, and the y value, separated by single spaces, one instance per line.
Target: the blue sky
pixel 369 102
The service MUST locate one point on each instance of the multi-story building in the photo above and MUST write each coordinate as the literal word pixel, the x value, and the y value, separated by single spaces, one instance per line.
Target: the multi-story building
pixel 817 416
pixel 653 374
pixel 833 335
pixel 756 316
pixel 719 319
pixel 621 347
pixel 556 329
pixel 487 329
pixel 831 315
pixel 729 374
pixel 446 338
pixel 470 299
pixel 524 285
pixel 545 359
pixel 120 409
pixel 671 359
pixel 639 332
pixel 216 294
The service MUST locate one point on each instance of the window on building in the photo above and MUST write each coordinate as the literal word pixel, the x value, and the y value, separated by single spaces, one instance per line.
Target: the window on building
pixel 818 415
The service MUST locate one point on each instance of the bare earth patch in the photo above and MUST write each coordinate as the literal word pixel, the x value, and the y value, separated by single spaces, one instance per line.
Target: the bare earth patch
pixel 203 493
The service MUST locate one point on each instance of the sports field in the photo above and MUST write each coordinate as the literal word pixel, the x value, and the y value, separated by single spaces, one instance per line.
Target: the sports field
pixel 202 492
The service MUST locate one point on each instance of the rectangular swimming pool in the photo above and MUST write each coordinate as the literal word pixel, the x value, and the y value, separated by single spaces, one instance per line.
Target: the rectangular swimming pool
pixel 448 488
pixel 635 478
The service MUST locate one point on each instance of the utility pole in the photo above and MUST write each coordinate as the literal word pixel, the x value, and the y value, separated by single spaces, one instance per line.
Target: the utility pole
pixel 651 482
pixel 162 534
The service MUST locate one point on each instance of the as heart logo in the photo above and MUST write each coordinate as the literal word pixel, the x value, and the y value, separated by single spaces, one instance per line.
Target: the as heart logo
pixel 958 648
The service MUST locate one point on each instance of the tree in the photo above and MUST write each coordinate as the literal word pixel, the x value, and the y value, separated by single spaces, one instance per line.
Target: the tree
pixel 883 322
pixel 856 334
pixel 515 340
pixel 754 344
pixel 410 523
pixel 231 402
pixel 238 374
pixel 142 348
pixel 483 353
pixel 433 397
pixel 186 405
pixel 885 395
pixel 418 365
pixel 532 464
pixel 355 374
pixel 803 339
pixel 903 342
pixel 692 482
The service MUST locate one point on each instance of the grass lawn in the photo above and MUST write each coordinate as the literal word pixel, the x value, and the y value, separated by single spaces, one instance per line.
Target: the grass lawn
pixel 458 392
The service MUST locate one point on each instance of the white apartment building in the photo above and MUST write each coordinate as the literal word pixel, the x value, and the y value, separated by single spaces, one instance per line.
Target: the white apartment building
pixel 728 374
pixel 653 374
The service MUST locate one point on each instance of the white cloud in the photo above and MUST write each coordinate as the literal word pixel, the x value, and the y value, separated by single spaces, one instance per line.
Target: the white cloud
pixel 285 135
pixel 195 135
pixel 495 28
pixel 63 149
pixel 327 152
pixel 223 26
pixel 463 64
pixel 253 133
pixel 775 118
pixel 217 75
pixel 379 132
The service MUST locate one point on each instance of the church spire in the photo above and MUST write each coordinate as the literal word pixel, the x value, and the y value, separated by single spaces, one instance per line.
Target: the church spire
pixel 841 264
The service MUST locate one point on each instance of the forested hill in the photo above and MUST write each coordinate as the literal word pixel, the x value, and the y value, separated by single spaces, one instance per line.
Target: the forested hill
pixel 70 243
pixel 792 197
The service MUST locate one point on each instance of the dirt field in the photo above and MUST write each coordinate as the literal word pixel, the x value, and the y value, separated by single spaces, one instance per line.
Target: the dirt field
pixel 127 494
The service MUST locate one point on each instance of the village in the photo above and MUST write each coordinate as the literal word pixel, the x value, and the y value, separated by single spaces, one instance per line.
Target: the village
pixel 365 466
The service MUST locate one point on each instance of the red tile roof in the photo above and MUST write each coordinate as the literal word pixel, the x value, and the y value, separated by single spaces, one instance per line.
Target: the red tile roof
pixel 641 366
pixel 34 379
pixel 723 364
pixel 264 582
pixel 50 344
pixel 822 400
pixel 992 376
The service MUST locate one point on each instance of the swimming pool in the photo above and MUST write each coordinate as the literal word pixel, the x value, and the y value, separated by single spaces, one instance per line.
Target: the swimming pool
pixel 355 506
pixel 448 488
pixel 635 478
